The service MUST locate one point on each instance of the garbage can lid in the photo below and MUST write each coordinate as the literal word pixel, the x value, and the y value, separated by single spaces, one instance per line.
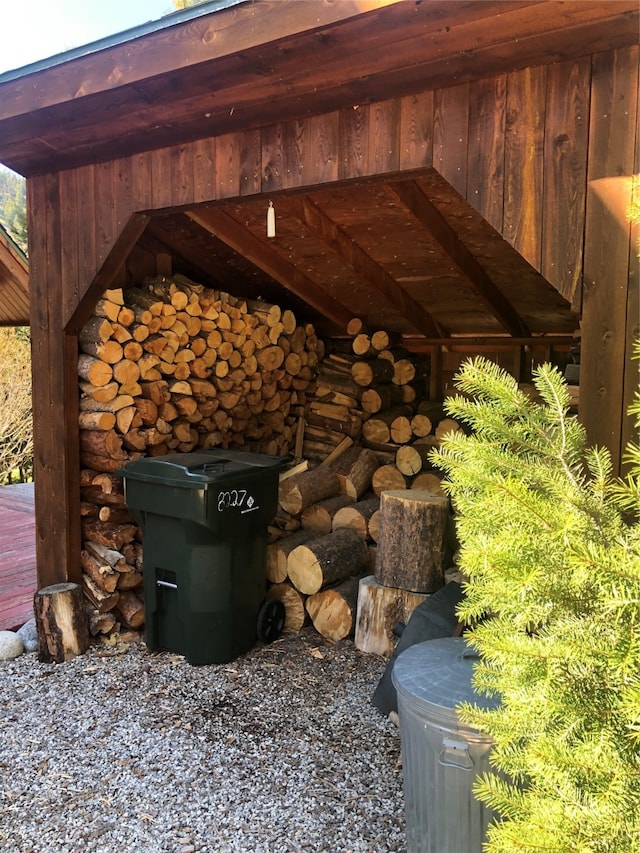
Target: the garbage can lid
pixel 198 469
pixel 436 675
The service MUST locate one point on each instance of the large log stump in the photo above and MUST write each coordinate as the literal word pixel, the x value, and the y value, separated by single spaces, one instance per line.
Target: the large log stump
pixel 327 560
pixel 411 540
pixel 61 620
pixel 380 608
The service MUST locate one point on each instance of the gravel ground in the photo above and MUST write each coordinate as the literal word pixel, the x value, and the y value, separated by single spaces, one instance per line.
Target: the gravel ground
pixel 126 751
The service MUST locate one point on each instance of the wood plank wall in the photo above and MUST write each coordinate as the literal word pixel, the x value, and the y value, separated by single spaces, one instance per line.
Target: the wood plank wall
pixel 519 147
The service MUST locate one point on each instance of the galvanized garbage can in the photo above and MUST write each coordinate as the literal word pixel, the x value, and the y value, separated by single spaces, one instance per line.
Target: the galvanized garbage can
pixel 440 755
pixel 204 518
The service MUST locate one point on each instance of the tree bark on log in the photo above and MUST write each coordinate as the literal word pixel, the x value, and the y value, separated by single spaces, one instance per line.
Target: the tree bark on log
pixel 333 611
pixel 411 540
pixel 306 488
pixel 380 608
pixel 327 560
pixel 355 470
pixel 61 621
pixel 278 553
pixel 131 610
pixel 319 516
pixel 356 517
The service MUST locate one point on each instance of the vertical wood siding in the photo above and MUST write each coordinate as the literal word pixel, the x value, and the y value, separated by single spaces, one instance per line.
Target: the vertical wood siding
pixel 520 147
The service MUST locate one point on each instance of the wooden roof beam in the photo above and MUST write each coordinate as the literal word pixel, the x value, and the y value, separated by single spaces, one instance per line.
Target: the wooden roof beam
pixel 413 198
pixel 227 229
pixel 364 266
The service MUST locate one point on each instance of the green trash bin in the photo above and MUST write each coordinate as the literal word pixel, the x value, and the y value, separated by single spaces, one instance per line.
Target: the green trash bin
pixel 204 518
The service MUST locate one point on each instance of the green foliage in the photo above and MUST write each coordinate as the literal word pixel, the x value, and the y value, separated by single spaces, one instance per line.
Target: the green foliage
pixel 553 558
pixel 16 427
pixel 13 206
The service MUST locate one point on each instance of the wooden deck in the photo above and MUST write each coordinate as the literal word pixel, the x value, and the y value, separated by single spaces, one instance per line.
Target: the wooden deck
pixel 18 580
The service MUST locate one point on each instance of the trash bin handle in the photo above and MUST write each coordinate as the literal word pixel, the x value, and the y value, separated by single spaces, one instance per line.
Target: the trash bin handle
pixel 455 753
pixel 213 466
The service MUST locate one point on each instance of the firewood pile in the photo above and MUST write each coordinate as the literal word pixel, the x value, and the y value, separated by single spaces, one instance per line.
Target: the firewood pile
pixel 173 366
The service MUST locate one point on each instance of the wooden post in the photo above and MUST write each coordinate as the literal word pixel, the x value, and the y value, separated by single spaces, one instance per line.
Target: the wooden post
pixel 61 620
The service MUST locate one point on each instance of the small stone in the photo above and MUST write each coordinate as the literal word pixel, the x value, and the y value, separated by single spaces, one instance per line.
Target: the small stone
pixel 29 636
pixel 11 646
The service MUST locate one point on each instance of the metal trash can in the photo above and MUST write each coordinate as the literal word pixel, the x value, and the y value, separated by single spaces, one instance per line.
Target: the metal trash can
pixel 204 518
pixel 441 756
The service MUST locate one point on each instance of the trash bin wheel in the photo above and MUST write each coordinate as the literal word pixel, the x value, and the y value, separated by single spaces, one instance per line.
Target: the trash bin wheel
pixel 270 620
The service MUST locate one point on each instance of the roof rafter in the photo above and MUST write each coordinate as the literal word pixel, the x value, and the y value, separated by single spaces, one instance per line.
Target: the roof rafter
pixel 361 263
pixel 229 230
pixel 414 199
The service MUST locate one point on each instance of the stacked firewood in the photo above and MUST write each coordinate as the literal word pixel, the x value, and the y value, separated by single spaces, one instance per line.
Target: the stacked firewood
pixel 172 367
pixel 315 565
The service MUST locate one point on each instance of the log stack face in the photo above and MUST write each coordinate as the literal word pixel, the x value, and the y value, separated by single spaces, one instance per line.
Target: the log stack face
pixel 172 367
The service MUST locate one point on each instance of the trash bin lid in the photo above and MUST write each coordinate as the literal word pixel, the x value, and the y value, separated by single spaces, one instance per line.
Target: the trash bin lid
pixel 436 675
pixel 200 468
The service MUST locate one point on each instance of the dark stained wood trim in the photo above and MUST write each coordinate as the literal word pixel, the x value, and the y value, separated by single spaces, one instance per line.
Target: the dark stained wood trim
pixel 231 232
pixel 363 265
pixel 413 198
pixel 107 273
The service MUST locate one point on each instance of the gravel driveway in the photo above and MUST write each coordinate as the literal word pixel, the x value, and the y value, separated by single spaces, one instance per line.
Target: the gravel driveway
pixel 124 750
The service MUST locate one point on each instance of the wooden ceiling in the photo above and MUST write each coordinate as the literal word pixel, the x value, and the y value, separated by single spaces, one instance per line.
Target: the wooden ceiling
pixel 14 283
pixel 407 254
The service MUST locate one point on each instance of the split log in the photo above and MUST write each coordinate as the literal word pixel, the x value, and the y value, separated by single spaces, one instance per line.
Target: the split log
pixel 107 556
pixel 129 580
pixel 413 458
pixel 356 516
pixel 294 610
pixel 445 426
pixel 131 610
pixel 380 608
pixel 61 621
pixel 319 516
pixel 102 443
pixel 385 426
pixel 355 470
pixel 300 491
pixel 94 370
pixel 100 463
pixel 421 425
pixel 112 535
pixel 411 540
pixel 387 477
pixel 104 575
pixel 327 560
pixel 100 623
pixel 430 482
pixel 278 553
pixel 101 600
pixel 381 397
pixel 333 611
pixel 97 420
pixel 366 373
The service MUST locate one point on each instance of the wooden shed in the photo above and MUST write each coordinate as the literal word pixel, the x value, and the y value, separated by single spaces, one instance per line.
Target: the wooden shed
pixel 454 172
pixel 14 283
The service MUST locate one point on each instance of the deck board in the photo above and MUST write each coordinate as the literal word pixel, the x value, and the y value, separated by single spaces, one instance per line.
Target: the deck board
pixel 18 577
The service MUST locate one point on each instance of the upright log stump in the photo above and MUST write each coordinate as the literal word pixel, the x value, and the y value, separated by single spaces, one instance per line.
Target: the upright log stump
pixel 411 540
pixel 61 620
